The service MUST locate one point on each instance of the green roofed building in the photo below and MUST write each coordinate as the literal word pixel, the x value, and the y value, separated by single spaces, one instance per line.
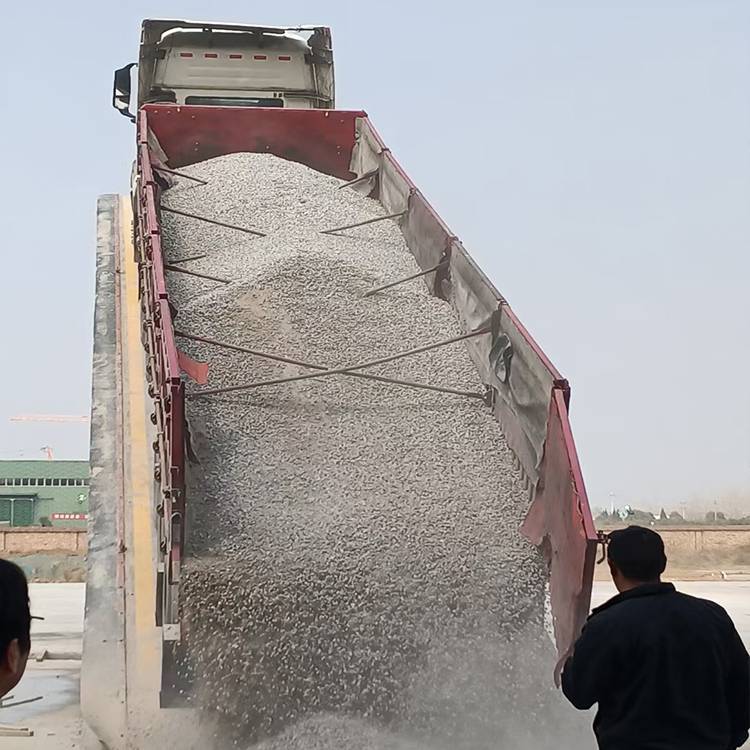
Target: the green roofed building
pixel 44 493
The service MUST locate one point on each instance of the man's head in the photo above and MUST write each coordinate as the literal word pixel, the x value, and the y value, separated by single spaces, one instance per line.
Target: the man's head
pixel 636 556
pixel 15 625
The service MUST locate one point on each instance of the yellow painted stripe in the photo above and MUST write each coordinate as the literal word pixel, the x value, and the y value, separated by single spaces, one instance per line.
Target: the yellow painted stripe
pixel 138 468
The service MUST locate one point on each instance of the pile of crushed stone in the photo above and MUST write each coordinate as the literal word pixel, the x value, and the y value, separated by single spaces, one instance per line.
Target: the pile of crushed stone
pixel 355 565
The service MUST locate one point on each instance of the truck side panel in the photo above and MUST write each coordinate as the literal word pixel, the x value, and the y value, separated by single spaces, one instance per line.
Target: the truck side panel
pixel 531 396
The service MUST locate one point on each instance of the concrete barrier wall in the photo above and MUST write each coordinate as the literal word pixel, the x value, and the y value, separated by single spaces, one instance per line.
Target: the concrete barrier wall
pixel 704 547
pixel 46 554
pixel 31 540
pixel 103 665
pixel 711 539
pixel 680 541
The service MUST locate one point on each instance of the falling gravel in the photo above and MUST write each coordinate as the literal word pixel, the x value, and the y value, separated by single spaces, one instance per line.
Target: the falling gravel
pixel 356 578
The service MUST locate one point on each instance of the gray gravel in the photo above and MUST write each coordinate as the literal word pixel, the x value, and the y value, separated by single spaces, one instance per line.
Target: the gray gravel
pixel 355 546
pixel 331 732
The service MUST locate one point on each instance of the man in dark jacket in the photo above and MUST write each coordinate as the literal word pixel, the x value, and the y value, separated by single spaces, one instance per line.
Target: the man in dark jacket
pixel 668 671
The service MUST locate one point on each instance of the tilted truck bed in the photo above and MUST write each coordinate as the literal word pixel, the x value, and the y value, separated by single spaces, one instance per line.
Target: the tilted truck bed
pixel 527 395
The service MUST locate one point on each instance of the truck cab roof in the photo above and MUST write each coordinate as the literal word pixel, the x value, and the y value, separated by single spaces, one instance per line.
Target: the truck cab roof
pixel 229 64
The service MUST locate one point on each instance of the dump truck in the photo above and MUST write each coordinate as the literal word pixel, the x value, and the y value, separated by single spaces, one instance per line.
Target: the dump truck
pixel 206 92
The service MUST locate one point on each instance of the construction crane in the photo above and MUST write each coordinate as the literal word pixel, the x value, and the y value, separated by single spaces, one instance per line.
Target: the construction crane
pixel 59 418
pixel 56 418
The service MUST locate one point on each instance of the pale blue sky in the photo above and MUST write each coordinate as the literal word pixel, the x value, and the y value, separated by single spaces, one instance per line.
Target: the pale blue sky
pixel 593 156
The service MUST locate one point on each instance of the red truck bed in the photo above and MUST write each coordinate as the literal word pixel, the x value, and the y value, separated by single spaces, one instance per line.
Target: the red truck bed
pixel 530 398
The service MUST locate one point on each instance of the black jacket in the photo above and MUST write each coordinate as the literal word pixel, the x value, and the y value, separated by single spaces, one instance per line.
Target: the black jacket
pixel 668 671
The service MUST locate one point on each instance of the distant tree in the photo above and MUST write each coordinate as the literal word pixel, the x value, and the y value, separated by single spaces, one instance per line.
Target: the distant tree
pixel 627 516
pixel 640 517
pixel 676 517
pixel 715 516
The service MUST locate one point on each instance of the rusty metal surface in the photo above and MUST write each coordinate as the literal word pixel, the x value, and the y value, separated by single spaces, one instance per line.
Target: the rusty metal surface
pixel 165 384
pixel 560 521
pixel 321 139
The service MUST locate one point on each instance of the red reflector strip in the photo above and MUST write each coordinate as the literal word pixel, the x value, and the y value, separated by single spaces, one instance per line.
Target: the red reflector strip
pixel 186 54
pixel 210 54
pixel 235 57
pixel 260 57
pixel 285 57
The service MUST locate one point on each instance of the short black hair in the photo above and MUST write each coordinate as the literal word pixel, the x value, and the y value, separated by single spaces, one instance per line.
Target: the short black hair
pixel 637 552
pixel 15 615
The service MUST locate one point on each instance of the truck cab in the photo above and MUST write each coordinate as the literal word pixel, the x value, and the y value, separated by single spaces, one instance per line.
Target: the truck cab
pixel 229 65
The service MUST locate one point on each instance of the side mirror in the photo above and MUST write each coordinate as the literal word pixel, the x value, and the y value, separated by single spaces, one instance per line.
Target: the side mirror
pixel 121 91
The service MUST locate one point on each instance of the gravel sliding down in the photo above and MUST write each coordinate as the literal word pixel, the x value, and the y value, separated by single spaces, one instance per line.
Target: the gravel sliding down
pixel 356 578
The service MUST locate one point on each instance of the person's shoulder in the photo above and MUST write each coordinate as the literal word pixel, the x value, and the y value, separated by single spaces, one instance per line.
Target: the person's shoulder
pixel 699 605
pixel 635 608
pixel 614 610
pixel 598 627
pixel 613 620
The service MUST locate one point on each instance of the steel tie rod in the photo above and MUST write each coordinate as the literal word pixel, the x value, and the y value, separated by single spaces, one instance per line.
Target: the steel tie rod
pixel 179 269
pixel 212 221
pixel 406 278
pixel 180 174
pixel 362 223
pixel 174 261
pixel 361 178
pixel 323 368
pixel 341 370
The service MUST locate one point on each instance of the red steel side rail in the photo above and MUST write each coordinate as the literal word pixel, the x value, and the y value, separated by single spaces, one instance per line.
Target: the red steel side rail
pixel 165 384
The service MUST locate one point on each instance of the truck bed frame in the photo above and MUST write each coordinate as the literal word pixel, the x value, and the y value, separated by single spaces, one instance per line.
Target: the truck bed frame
pixel 530 399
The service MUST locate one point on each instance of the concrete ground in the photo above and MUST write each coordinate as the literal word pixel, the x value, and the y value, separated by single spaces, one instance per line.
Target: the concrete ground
pixel 55 719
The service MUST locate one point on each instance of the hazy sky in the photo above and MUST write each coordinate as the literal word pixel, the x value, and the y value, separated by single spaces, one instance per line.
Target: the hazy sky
pixel 593 156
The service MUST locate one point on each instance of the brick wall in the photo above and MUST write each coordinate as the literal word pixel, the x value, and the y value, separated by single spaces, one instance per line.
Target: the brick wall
pixel 28 540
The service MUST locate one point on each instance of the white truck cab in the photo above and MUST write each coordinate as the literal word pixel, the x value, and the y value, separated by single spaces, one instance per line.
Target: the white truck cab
pixel 229 65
